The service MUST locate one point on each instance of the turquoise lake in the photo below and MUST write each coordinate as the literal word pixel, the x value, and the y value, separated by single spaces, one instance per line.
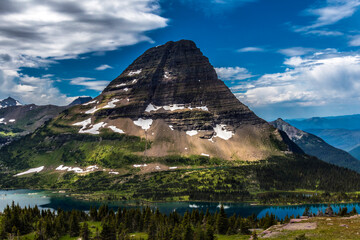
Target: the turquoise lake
pixel 48 200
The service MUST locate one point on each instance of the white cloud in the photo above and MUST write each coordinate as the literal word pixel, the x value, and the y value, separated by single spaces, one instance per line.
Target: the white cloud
pixel 330 13
pixel 355 42
pixel 36 33
pixel 295 51
pixel 326 78
pixel 251 49
pixel 103 67
pixel 233 73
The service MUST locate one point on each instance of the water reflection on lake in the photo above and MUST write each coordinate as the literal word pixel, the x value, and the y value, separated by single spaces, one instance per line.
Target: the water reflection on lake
pixel 50 200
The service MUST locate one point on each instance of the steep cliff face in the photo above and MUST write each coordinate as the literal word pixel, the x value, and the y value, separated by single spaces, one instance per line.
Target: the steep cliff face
pixel 171 96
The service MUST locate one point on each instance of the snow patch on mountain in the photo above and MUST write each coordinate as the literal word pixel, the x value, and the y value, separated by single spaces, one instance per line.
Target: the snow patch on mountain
pixel 221 132
pixel 31 170
pixel 132 73
pixel 173 107
pixel 115 129
pixel 192 132
pixel 143 123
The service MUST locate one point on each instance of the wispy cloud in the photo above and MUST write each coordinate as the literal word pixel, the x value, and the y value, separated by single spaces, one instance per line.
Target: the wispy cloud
pixel 36 33
pixel 330 13
pixel 103 67
pixel 89 83
pixel 295 51
pixel 233 73
pixel 251 49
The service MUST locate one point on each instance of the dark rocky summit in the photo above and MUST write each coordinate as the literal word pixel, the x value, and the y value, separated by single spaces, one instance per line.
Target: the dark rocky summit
pixel 178 73
pixel 9 102
pixel 80 100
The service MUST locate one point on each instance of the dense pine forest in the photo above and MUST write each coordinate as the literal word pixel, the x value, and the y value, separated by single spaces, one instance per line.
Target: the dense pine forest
pixel 106 224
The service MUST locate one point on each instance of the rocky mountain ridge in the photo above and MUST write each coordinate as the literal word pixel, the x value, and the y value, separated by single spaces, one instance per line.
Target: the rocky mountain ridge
pixel 317 147
pixel 9 102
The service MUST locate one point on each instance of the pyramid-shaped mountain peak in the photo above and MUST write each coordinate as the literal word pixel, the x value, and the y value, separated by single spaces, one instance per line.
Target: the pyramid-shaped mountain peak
pixel 178 75
pixel 172 96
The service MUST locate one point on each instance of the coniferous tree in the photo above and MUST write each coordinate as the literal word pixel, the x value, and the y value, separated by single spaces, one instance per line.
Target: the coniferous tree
pixel 222 221
pixel 74 225
pixel 199 233
pixel 85 232
pixel 176 233
pixel 152 231
pixel 108 230
pixel 209 235
pixel 188 233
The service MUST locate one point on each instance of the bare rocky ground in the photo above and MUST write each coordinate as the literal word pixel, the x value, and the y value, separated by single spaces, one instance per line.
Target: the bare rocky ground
pixel 316 228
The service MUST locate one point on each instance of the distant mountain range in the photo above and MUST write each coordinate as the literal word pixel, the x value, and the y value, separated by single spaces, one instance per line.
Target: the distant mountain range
pixel 18 120
pixel 317 147
pixel 356 152
pixel 350 122
pixel 341 132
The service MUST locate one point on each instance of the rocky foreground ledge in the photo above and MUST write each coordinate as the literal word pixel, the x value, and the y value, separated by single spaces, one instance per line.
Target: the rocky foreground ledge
pixel 315 228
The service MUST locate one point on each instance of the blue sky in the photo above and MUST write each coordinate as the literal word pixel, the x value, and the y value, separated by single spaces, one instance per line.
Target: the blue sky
pixel 289 59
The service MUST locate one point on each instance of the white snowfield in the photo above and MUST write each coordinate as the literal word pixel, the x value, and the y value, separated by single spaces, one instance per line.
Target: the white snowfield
pixel 2 120
pixel 192 132
pixel 221 132
pixel 128 83
pixel 115 129
pixel 76 169
pixel 115 173
pixel 121 85
pixel 12 120
pixel 171 127
pixel 91 111
pixel 151 107
pixel 143 123
pixel 31 170
pixel 132 73
pixel 140 165
pixel 92 168
pixel 206 155
pixel 87 123
pixel 126 89
pixel 171 168
pixel 94 129
pixel 110 104
pixel 91 102
pixel 83 124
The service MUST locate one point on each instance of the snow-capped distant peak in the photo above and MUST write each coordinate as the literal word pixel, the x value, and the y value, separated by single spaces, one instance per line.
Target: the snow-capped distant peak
pixel 9 102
